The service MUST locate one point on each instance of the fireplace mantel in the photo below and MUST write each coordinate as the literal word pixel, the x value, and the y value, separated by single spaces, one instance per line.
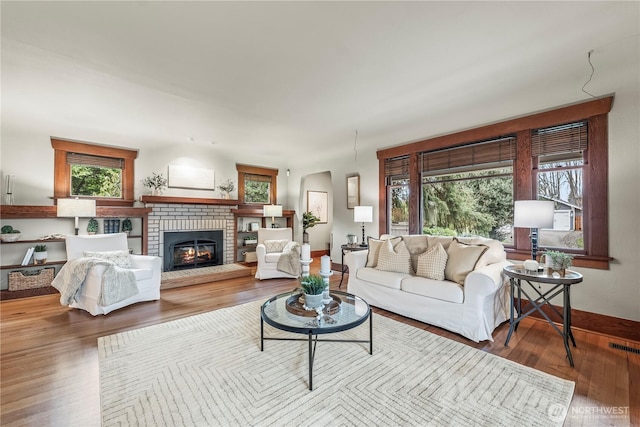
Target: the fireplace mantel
pixel 188 200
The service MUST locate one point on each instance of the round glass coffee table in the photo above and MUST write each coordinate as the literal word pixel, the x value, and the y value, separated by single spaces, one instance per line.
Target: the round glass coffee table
pixel 286 312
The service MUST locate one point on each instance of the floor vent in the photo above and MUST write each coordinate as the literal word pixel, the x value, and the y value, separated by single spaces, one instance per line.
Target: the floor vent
pixel 624 348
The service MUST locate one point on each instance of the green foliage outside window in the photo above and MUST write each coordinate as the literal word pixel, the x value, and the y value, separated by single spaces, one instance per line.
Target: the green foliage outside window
pixel 256 192
pixel 96 181
pixel 476 203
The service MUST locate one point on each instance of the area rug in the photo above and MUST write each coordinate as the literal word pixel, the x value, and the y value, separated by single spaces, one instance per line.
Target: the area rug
pixel 208 370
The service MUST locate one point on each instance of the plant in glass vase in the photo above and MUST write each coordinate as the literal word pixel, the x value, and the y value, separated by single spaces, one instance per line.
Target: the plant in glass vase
pixel 156 183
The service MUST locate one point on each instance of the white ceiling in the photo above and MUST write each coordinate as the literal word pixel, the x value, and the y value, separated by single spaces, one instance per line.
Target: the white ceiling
pixel 283 78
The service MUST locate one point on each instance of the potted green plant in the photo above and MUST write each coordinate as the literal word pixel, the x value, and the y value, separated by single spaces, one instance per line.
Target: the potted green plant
pixel 127 226
pixel 10 234
pixel 226 188
pixel 308 221
pixel 250 240
pixel 40 254
pixel 92 227
pixel 313 287
pixel 559 261
pixel 156 183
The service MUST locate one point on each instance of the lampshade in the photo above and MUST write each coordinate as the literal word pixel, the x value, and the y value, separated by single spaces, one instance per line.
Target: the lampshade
pixel 533 214
pixel 272 210
pixel 73 208
pixel 363 214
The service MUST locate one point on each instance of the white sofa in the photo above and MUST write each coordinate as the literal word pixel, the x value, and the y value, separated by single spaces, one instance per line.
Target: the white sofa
pixel 147 271
pixel 472 309
pixel 268 260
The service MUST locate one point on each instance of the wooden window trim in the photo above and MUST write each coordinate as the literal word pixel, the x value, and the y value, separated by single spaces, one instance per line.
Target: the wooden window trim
pixel 257 170
pixel 62 170
pixel 595 175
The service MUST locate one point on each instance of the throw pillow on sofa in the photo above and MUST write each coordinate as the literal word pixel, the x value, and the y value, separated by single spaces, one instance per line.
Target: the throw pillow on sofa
pixel 432 263
pixel 374 249
pixel 462 260
pixel 396 259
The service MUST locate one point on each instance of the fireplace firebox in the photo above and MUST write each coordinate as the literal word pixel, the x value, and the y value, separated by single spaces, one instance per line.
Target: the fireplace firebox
pixel 192 249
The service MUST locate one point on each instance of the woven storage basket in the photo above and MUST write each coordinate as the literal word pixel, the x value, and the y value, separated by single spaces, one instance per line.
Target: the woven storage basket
pixel 31 279
pixel 250 257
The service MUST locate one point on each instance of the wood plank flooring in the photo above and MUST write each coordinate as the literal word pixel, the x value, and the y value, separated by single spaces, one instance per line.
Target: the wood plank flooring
pixel 49 359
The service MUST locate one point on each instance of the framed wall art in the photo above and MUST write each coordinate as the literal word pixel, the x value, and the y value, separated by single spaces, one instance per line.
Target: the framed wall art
pixel 191 177
pixel 353 191
pixel 317 204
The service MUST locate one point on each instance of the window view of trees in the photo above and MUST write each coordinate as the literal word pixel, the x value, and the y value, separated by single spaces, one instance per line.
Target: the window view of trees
pixel 471 203
pixel 96 181
pixel 561 182
pixel 256 191
pixel 399 206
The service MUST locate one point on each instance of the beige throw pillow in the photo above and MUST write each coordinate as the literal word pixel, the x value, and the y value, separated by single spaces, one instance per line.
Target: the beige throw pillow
pixel 374 249
pixel 120 258
pixel 431 263
pixel 396 259
pixel 275 245
pixel 462 260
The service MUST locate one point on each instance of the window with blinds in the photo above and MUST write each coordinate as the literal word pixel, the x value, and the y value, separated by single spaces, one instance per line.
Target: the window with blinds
pixel 396 167
pixel 495 153
pixel 257 188
pixel 95 161
pixel 95 176
pixel 560 142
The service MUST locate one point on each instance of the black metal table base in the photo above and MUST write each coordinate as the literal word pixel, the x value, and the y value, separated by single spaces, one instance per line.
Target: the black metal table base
pixel 313 341
pixel 540 300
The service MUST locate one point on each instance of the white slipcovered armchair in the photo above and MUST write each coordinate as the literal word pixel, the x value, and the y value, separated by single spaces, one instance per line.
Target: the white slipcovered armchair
pixel 268 257
pixel 147 271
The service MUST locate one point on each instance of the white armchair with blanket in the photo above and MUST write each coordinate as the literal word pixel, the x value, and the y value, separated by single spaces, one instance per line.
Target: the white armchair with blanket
pixel 278 255
pixel 93 257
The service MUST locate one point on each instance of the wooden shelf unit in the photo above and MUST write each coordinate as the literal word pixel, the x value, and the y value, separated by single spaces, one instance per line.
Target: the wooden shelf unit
pixel 253 213
pixel 50 212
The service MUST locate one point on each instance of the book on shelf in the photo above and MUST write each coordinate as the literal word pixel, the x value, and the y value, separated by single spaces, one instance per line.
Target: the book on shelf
pixel 111 226
pixel 28 255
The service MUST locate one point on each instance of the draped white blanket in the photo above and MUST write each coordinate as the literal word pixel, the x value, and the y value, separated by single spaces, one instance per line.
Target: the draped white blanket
pixel 118 283
pixel 289 261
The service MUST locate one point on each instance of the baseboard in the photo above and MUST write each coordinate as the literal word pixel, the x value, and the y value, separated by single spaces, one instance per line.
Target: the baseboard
pixel 318 254
pixel 594 322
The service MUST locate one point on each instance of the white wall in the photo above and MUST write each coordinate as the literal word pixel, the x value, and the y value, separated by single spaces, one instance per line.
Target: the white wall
pixel 319 234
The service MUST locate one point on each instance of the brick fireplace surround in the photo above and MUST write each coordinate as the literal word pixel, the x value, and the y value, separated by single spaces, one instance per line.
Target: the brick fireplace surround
pixel 178 214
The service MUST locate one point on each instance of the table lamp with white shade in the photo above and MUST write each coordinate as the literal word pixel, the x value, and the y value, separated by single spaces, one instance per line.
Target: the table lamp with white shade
pixel 533 214
pixel 272 211
pixel 76 208
pixel 363 214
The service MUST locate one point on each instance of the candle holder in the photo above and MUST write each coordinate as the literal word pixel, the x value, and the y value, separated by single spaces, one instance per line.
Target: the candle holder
pixel 305 266
pixel 325 273
pixel 326 297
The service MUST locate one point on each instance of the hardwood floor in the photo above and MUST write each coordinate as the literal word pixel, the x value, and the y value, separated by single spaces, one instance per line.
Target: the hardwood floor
pixel 49 359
